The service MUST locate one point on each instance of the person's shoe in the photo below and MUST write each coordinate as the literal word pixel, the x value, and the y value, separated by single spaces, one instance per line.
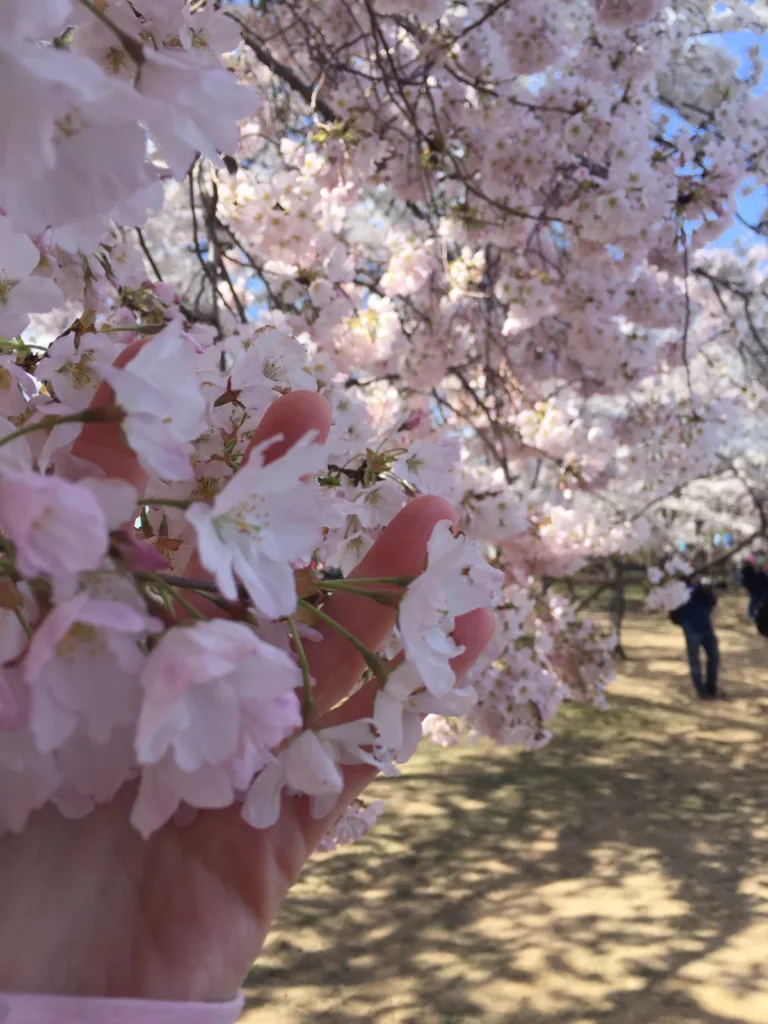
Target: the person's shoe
pixel 719 695
pixel 705 695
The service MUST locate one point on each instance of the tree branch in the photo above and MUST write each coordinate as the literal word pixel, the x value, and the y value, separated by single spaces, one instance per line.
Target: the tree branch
pixel 307 92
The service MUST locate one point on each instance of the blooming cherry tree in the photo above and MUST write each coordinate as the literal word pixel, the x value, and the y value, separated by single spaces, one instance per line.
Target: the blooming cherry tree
pixel 469 250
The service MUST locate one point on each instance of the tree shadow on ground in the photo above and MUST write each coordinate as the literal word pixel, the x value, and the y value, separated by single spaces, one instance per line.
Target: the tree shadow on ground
pixel 619 876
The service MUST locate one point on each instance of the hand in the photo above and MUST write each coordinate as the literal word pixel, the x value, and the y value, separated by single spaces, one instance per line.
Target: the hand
pixel 89 908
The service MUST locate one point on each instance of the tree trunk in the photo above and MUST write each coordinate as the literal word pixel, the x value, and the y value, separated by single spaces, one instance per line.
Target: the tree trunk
pixel 618 606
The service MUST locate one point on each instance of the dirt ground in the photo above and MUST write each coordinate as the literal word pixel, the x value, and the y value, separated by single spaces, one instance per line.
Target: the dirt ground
pixel 620 876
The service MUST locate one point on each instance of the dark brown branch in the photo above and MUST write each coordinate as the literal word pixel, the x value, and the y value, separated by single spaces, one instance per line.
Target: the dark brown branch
pixel 150 258
pixel 307 92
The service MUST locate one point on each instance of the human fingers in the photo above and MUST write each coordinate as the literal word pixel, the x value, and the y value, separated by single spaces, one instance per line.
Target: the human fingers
pixel 292 416
pixel 103 444
pixel 473 632
pixel 401 550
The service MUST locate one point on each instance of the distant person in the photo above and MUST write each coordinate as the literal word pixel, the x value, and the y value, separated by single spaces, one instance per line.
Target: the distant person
pixel 695 619
pixel 755 581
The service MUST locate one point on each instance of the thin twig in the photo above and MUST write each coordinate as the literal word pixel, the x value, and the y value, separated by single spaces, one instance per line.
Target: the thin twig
pixel 148 254
pixel 283 72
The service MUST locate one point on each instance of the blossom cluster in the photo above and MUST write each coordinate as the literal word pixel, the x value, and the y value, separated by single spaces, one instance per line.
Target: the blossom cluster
pixel 669 586
pixel 116 663
pixel 137 503
pixel 475 231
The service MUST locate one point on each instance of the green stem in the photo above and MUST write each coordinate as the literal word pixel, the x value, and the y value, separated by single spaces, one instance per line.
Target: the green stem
pixel 167 590
pixel 22 621
pixel 308 703
pixel 170 502
pixel 390 598
pixel 16 345
pixel 373 661
pixel 205 588
pixel 220 602
pixel 187 605
pixel 396 581
pixel 108 414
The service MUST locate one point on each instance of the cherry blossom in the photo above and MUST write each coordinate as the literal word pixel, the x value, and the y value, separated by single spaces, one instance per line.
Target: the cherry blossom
pixel 498 242
pixel 455 581
pixel 271 363
pixel 82 669
pixel 207 686
pixel 668 596
pixel 402 703
pixel 163 787
pixel 310 765
pixel 261 522
pixel 72 366
pixel 57 527
pixel 21 291
pixel 185 116
pixel 164 407
pixel 353 824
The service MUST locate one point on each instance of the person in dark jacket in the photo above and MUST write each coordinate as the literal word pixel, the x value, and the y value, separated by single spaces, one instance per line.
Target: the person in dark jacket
pixel 695 618
pixel 755 581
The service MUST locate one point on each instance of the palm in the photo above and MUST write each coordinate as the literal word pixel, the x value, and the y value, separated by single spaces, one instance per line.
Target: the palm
pixel 180 916
pixel 91 908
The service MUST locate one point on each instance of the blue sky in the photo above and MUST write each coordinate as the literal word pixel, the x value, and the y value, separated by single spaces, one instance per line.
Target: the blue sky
pixel 750 207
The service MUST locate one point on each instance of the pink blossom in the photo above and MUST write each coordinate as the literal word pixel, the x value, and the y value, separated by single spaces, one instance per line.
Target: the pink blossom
pixel 457 580
pixel 14 700
pixel 72 365
pixel 185 116
pixel 213 30
pixel 21 291
pixel 28 779
pixel 427 464
pixel 272 360
pixel 16 387
pixel 524 257
pixel 264 519
pixel 358 819
pixel 160 394
pixel 401 704
pixel 141 556
pixel 57 528
pixel 211 685
pixel 46 81
pixel 668 596
pixel 409 268
pixel 310 765
pixel 624 13
pixel 92 772
pixel 83 668
pixel 99 165
pixel 17 606
pixel 16 455
pixel 117 498
pixel 164 787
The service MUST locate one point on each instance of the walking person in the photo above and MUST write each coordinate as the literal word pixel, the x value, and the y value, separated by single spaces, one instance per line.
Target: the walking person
pixel 755 582
pixel 695 619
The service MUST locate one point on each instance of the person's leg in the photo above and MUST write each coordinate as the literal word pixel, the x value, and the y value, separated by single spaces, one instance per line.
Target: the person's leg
pixel 709 643
pixel 692 643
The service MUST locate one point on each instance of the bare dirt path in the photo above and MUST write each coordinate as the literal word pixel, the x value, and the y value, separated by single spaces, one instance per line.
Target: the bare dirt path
pixel 620 876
